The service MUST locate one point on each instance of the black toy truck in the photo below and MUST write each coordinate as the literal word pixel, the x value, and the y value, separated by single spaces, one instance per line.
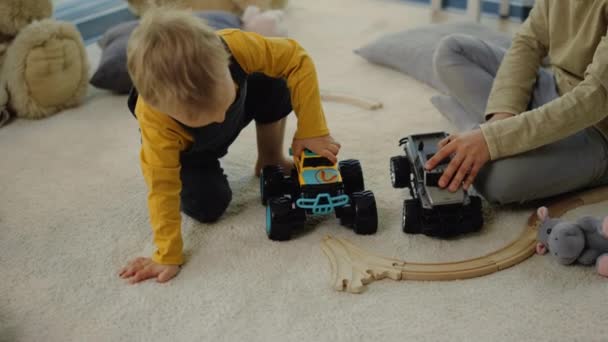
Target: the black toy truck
pixel 431 210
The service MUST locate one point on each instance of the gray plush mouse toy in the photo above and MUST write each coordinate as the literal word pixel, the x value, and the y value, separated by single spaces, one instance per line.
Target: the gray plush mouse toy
pixel 584 241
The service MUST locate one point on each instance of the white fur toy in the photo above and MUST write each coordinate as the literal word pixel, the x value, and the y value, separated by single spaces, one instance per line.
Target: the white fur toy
pixel 268 23
pixel 44 67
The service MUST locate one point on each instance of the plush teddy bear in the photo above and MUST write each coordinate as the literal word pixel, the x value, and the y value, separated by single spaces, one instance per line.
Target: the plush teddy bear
pixel 584 241
pixel 43 63
pixel 138 7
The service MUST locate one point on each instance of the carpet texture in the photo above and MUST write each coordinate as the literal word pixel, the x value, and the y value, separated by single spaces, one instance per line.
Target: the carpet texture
pixel 73 211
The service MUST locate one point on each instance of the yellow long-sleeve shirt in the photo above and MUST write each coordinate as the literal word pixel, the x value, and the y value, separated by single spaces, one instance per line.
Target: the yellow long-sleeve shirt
pixel 573 34
pixel 163 139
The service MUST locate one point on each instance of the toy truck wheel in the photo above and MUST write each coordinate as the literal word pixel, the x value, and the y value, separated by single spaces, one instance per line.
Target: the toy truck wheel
pixel 294 183
pixel 365 213
pixel 271 180
pixel 474 214
pixel 475 205
pixel 278 225
pixel 298 218
pixel 352 176
pixel 400 172
pixel 345 215
pixel 411 218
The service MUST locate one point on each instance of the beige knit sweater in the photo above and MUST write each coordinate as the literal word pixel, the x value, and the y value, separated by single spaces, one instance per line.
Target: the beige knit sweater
pixel 573 34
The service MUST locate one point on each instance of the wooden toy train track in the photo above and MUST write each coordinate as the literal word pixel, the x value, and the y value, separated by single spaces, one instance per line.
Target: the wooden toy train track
pixel 357 101
pixel 353 268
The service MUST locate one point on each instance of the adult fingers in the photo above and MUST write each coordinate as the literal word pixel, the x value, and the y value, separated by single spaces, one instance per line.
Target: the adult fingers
pixel 442 154
pixel 444 141
pixel 449 172
pixel 460 175
pixel 472 175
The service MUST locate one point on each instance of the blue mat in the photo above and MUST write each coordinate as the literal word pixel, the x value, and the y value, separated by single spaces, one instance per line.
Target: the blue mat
pixel 93 17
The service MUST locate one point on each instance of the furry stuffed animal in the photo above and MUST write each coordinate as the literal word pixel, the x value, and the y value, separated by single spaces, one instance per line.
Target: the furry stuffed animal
pixel 43 63
pixel 584 241
pixel 138 7
pixel 268 23
pixel 264 5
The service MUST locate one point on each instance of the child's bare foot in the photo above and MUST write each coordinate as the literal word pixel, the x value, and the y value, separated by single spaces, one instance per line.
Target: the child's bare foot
pixel 141 269
pixel 605 227
pixel 286 164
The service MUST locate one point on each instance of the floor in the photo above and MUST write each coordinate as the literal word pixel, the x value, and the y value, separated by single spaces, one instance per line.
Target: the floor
pixel 73 211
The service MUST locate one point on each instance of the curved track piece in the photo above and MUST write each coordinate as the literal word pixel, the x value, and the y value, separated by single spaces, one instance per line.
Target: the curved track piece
pixel 353 267
pixel 356 101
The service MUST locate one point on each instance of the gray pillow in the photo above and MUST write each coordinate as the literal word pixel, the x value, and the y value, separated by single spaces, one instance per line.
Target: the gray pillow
pixel 411 51
pixel 112 72
pixel 455 113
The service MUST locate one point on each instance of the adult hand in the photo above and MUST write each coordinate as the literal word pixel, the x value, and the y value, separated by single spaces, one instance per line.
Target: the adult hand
pixel 469 153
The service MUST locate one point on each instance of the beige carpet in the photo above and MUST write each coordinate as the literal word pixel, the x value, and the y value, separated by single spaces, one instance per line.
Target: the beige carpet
pixel 73 211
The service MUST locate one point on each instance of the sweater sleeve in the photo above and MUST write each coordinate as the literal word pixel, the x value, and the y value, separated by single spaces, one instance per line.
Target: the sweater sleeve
pixel 516 76
pixel 160 163
pixel 584 106
pixel 285 58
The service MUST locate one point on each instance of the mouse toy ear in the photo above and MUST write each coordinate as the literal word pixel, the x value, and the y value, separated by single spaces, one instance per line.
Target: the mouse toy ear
pixel 542 213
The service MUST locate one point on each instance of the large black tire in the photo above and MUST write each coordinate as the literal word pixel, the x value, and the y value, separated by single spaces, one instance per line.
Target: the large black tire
pixel 475 205
pixel 474 217
pixel 411 219
pixel 352 176
pixel 278 225
pixel 346 215
pixel 294 184
pixel 271 182
pixel 400 172
pixel 365 213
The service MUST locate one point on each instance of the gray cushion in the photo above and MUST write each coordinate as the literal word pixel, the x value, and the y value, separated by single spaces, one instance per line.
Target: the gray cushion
pixel 411 51
pixel 455 113
pixel 112 72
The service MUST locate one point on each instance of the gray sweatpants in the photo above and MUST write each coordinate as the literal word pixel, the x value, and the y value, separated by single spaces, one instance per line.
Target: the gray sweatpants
pixel 467 66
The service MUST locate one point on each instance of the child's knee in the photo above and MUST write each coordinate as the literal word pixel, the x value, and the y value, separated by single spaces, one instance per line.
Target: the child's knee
pixel 454 44
pixel 448 46
pixel 209 208
pixel 449 50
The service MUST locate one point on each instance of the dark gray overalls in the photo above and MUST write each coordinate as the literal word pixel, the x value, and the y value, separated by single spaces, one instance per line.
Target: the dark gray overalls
pixel 205 191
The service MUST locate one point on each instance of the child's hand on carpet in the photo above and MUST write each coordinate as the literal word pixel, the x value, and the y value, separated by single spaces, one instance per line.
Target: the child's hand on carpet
pixel 324 146
pixel 469 153
pixel 141 269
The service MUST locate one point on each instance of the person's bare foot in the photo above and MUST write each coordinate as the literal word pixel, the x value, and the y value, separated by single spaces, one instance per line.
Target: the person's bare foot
pixel 285 163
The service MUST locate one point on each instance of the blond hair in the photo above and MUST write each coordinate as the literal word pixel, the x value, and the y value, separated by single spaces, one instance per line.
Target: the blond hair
pixel 174 57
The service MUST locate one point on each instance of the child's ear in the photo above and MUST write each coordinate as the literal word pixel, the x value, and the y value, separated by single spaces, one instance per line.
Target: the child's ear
pixel 542 213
